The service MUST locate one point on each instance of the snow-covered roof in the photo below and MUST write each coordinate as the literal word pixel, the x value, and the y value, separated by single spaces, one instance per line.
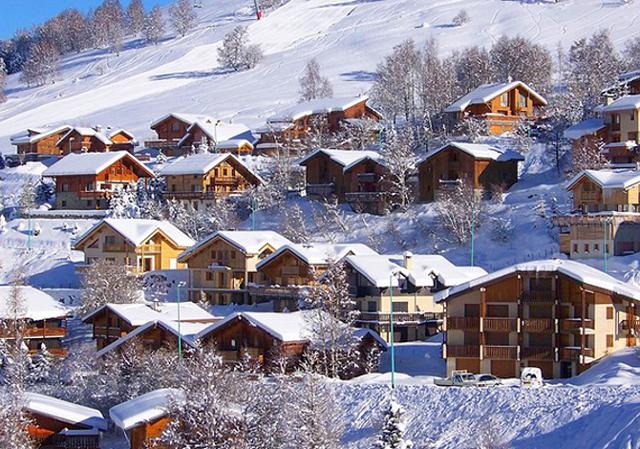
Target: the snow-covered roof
pixel 346 158
pixel 487 92
pixel 575 270
pixel 318 106
pixel 383 270
pixel 37 134
pixel 199 164
pixel 361 332
pixel 64 411
pixel 183 117
pixel 584 128
pixel 138 230
pixel 141 313
pixel 479 151
pixel 319 253
pixel 625 103
pixel 36 304
pixel 623 80
pixel 91 164
pixel 249 242
pixel 610 178
pixel 145 408
pixel 233 144
pixel 115 132
pixel 218 131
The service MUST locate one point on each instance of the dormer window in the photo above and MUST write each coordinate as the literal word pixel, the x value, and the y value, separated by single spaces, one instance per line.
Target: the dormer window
pixel 504 99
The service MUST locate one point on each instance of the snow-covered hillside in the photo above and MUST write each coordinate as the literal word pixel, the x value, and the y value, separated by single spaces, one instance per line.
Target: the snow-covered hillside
pixel 348 37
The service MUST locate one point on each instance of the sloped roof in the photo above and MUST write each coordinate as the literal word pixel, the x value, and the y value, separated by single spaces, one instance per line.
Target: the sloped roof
pixel 91 163
pixel 64 411
pixel 318 253
pixel 346 158
pixel 570 268
pixel 218 131
pixel 286 327
pixel 139 230
pixel 249 242
pixel 584 128
pixel 145 408
pixel 201 164
pixel 318 106
pixel 616 178
pixel 87 132
pixel 184 117
pixel 479 151
pixel 487 92
pixel 40 133
pixel 626 103
pixel 233 144
pixel 36 304
pixel 141 313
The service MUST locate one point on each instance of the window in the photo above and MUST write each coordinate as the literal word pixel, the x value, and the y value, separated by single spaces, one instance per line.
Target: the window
pixel 522 101
pixel 400 306
pixel 632 116
pixel 64 188
pixel 63 203
pixel 209 276
pixel 109 239
pixel 609 341
pixel 372 306
pixel 609 313
pixel 498 311
pixel 540 284
pixel 89 203
pixel 504 99
pixel 596 247
pixel 586 247
pixel 175 126
pixel 575 247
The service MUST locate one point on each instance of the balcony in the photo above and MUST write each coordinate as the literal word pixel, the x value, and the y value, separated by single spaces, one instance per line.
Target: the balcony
pixel 95 194
pixel 463 323
pixel 398 317
pixel 538 353
pixel 572 353
pixel 499 324
pixel 111 332
pixel 500 352
pixel 149 249
pixel 365 197
pixel 534 296
pixel 463 351
pixel 575 325
pixel 633 327
pixel 37 332
pixel 323 190
pixel 199 195
pixel 538 325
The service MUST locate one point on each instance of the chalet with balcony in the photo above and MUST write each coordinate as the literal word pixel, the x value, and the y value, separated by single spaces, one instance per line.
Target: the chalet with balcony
pixel 291 126
pixel 587 134
pixel 284 276
pixel 622 119
pixel 557 315
pixel 144 418
pixel 356 177
pixel 501 105
pixel 39 142
pixel 200 179
pixel 223 265
pixel 408 282
pixel 88 180
pixel 111 322
pixel 60 424
pixel 484 166
pixel 140 245
pixel 606 214
pixel 96 140
pixel 44 320
pixel 171 128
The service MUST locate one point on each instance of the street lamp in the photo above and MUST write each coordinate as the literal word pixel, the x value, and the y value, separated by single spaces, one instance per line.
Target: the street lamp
pixel 180 285
pixel 392 275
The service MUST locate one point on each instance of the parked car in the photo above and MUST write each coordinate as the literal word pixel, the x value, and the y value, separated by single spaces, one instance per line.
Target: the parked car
pixel 487 380
pixel 457 379
pixel 531 377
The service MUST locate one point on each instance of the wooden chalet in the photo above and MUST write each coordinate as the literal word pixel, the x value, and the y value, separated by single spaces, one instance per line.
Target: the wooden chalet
pixel 355 177
pixel 88 180
pixel 141 245
pixel 222 265
pixel 606 214
pixel 410 281
pixel 481 165
pixel 292 125
pixel 144 418
pixel 622 120
pixel 35 142
pixel 111 322
pixel 284 275
pixel 557 315
pixel 587 134
pixel 200 179
pixel 43 319
pixel 628 83
pixel 501 105
pixel 60 424
pixel 96 140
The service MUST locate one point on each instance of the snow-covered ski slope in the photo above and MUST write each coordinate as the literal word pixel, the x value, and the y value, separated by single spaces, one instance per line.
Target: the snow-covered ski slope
pixel 348 37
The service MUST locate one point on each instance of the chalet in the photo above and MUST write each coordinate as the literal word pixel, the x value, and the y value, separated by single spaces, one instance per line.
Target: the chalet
pixel 622 118
pixel 627 84
pixel 356 177
pixel 38 142
pixel 96 140
pixel 222 265
pixel 587 133
pixel 285 274
pixel 408 281
pixel 140 245
pixel 172 127
pixel 292 125
pixel 88 180
pixel 210 133
pixel 501 105
pixel 45 319
pixel 200 179
pixel 557 315
pixel 606 214
pixel 113 321
pixel 60 424
pixel 483 166
pixel 144 418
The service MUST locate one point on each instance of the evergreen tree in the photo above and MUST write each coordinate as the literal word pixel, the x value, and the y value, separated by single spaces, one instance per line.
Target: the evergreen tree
pixel 394 429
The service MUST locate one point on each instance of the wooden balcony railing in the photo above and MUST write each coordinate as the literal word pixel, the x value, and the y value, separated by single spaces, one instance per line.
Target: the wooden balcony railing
pixel 37 332
pixel 538 325
pixel 320 189
pixel 571 353
pixel 463 323
pixel 112 332
pixel 538 296
pixel 499 324
pixel 150 249
pixel 463 351
pixel 500 352
pixel 398 317
pixel 575 324
pixel 538 353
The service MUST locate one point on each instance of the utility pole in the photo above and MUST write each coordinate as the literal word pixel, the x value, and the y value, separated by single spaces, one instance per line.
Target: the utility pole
pixel 391 330
pixel 180 285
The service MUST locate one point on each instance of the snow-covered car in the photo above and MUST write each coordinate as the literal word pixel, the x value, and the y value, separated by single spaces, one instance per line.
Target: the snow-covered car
pixel 487 380
pixel 531 377
pixel 457 379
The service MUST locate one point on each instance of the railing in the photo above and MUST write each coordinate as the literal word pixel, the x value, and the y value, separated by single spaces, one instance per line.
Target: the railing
pixel 571 353
pixel 150 249
pixel 463 351
pixel 500 352
pixel 499 324
pixel 463 323
pixel 94 193
pixel 113 332
pixel 398 317
pixel 367 177
pixel 575 324
pixel 37 332
pixel 362 291
pixel 538 296
pixel 193 195
pixel 538 353
pixel 365 196
pixel 320 189
pixel 538 325
pixel 114 247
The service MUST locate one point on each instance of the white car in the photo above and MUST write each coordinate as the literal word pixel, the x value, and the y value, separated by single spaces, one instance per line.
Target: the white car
pixel 487 380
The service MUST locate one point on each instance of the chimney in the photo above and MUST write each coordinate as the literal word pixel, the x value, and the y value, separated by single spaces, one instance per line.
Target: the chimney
pixel 98 128
pixel 155 304
pixel 608 99
pixel 408 260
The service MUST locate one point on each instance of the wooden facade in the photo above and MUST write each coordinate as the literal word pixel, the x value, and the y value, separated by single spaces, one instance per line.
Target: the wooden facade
pixel 143 436
pixel 172 128
pixel 107 327
pixel 51 433
pixel 50 332
pixel 39 142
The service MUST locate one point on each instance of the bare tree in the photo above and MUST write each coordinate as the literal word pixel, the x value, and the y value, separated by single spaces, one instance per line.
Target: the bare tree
pixel 237 53
pixel 183 16
pixel 631 54
pixel 589 156
pixel 153 26
pixel 14 421
pixel 358 134
pixel 135 17
pixel 108 25
pixel 42 65
pixel 459 210
pixel 399 161
pixel 473 129
pixel 106 282
pixel 3 80
pixel 312 84
pixel 472 68
pixel 295 227
pixel 461 18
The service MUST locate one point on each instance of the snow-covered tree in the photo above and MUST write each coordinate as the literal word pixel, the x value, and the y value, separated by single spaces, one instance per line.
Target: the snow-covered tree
pixel 295 227
pixel 399 160
pixel 472 129
pixel 394 427
pixel 522 139
pixel 459 210
pixel 3 80
pixel 237 53
pixel 501 230
pixel 472 68
pixel 135 17
pixel 3 224
pixel 42 365
pixel 518 58
pixel 153 25
pixel 312 84
pixel 106 282
pixel 108 25
pixel 461 18
pixel 267 425
pixel 589 156
pixel 14 421
pixel 358 134
pixel 435 87
pixel 631 54
pixel 42 65
pixel 183 16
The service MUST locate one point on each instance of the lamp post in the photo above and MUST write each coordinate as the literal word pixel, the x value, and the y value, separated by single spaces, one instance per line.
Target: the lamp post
pixel 392 275
pixel 473 231
pixel 180 285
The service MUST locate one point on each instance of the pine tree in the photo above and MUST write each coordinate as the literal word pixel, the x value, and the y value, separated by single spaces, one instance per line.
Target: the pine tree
pixel 42 65
pixel 312 84
pixel 183 16
pixel 135 17
pixel 42 365
pixel 153 26
pixel 394 428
